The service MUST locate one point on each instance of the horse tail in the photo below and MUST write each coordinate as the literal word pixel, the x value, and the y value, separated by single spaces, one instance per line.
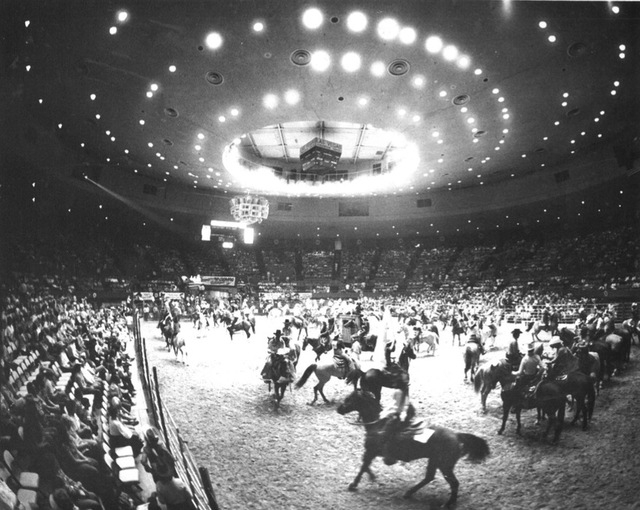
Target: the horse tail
pixel 476 447
pixel 478 379
pixel 310 369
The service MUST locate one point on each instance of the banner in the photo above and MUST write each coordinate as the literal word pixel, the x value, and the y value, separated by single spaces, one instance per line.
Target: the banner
pixel 218 281
pixel 173 295
pixel 144 296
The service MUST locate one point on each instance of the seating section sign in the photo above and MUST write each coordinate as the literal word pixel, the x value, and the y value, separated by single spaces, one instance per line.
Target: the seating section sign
pixel 218 281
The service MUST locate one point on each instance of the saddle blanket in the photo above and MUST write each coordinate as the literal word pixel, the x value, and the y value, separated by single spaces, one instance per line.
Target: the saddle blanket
pixel 423 436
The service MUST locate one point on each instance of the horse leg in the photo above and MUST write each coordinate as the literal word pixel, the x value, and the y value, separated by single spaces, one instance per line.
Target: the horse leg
pixel 506 407
pixel 519 425
pixel 367 458
pixel 428 477
pixel 453 483
pixel 483 398
pixel 320 386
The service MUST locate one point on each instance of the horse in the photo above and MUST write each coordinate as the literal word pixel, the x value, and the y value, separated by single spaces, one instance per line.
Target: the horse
pixel 319 345
pixel 364 334
pixel 374 379
pixel 324 372
pixel 443 447
pixel 300 324
pixel 166 326
pixel 245 325
pixel 471 358
pixel 535 327
pixel 180 346
pixel 488 334
pixel 487 377
pixel 457 328
pixel 431 339
pixel 281 374
pixel 548 398
pixel 580 387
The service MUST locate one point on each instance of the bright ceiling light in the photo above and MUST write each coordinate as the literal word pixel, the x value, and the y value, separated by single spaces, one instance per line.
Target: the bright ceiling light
pixel 388 29
pixel 433 44
pixel 93 97
pixel 270 101
pixel 443 93
pixel 470 120
pixel 622 47
pixel 312 18
pixel 542 24
pixel 377 69
pixel 154 87
pixel 552 38
pixel 172 69
pixel 149 94
pixel 401 112
pixel 418 81
pixel 113 30
pixel 320 60
pixel 407 35
pixel 292 97
pixel 621 55
pixel 463 62
pixel 258 27
pixel 200 136
pixel 356 21
pixel 615 9
pixel 234 112
pixel 477 72
pixel 450 52
pixel 351 62
pixel 213 40
pixel 363 101
pixel 122 16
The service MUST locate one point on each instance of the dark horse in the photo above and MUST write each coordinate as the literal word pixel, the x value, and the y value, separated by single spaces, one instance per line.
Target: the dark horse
pixel 367 341
pixel 548 398
pixel 281 370
pixel 581 388
pixel 374 379
pixel 471 359
pixel 319 345
pixel 246 325
pixel 443 448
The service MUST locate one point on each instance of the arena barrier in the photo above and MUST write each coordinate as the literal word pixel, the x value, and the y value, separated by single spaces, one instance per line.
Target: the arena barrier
pixel 195 477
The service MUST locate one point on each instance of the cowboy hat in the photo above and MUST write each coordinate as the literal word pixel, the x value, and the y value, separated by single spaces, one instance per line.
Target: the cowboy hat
pixel 555 341
pixel 531 346
pixel 516 331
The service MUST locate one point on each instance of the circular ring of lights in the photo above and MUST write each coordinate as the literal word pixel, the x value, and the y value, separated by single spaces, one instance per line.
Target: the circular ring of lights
pixel 214 78
pixel 301 57
pixel 398 67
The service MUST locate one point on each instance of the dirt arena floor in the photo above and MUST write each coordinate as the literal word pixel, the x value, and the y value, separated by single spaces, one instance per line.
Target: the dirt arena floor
pixel 300 457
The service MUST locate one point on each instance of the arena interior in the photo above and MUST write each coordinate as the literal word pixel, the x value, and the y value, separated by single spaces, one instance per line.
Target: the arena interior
pixel 210 208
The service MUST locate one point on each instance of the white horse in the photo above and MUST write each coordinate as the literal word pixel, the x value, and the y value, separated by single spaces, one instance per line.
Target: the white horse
pixel 180 346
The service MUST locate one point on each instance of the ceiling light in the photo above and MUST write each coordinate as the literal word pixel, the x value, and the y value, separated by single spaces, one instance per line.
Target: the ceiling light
pixel 292 96
pixel 122 16
pixel 388 29
pixel 505 116
pixel 356 21
pixel 258 27
pixel 477 72
pixel 542 24
pixel 616 83
pixel 435 134
pixel 505 131
pixel 621 55
pixel 27 23
pixel 172 69
pixel 97 114
pixel 407 35
pixel 622 47
pixel 552 38
pixel 154 87
pixel 113 30
pixel 200 136
pixel 463 62
pixel 495 91
pixel 270 101
pixel 28 68
pixel 450 52
pixel 443 93
pixel 93 97
pixel 312 18
pixel 150 144
pixel 213 40
pixel 416 118
pixel 564 103
pixel 501 100
pixel 418 81
pixel 464 109
pixel 197 147
pixel 470 120
pixel 149 94
pixel 615 9
pixel 433 44
pixel 350 62
pixel 141 122
pixel 234 112
pixel 556 123
pixel 320 60
pixel 377 68
pixel 401 112
pixel 613 92
pixel 363 101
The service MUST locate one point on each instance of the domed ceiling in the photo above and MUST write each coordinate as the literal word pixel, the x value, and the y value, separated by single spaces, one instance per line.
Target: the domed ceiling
pixel 417 95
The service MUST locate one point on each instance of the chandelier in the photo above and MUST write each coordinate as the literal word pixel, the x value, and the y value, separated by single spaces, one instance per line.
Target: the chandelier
pixel 248 209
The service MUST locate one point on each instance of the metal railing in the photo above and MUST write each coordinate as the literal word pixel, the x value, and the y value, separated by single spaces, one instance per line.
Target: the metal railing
pixel 195 477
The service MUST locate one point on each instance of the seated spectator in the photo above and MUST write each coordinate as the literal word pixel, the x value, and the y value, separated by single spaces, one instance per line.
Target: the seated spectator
pixel 172 492
pixel 122 435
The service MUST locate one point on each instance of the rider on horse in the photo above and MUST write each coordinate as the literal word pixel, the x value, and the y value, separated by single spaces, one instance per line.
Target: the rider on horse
pixel 514 356
pixel 564 361
pixel 530 370
pixel 341 359
pixel 277 347
pixel 475 339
